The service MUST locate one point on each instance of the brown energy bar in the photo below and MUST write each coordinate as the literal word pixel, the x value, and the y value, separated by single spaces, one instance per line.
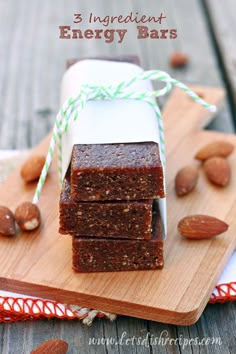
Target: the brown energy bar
pixel 104 255
pixel 104 219
pixel 130 171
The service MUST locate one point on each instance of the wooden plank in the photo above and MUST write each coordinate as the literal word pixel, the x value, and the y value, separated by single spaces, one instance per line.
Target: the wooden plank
pixel 30 81
pixel 175 294
pixel 48 56
pixel 128 335
pixel 217 322
pixel 24 337
pixel 223 20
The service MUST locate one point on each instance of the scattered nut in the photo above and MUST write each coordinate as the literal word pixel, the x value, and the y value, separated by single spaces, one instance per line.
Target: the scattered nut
pixel 54 346
pixel 201 227
pixel 31 169
pixel 200 94
pixel 217 170
pixel 27 216
pixel 186 180
pixel 7 222
pixel 179 60
pixel 217 148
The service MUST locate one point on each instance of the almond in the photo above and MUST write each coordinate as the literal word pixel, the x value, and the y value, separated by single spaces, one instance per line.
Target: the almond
pixel 53 346
pixel 186 180
pixel 217 170
pixel 218 148
pixel 7 222
pixel 200 94
pixel 201 227
pixel 178 60
pixel 32 168
pixel 27 216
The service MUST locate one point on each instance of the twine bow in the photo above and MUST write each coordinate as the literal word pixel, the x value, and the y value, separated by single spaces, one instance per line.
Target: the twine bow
pixel 72 108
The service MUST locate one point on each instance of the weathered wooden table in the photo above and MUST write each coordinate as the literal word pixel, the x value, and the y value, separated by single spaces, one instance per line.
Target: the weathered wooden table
pixel 32 64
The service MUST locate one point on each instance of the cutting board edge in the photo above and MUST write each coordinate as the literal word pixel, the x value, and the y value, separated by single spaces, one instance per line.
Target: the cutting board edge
pixel 104 304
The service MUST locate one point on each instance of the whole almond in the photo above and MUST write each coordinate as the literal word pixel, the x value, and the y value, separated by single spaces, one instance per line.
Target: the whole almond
pixel 186 180
pixel 200 94
pixel 32 168
pixel 178 60
pixel 51 346
pixel 217 170
pixel 27 216
pixel 217 148
pixel 201 227
pixel 7 222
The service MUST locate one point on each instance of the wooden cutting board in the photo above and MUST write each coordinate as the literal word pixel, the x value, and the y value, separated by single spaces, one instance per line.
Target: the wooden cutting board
pixel 39 263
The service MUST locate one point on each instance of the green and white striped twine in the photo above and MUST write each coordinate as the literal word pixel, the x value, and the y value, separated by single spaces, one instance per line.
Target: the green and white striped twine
pixel 72 108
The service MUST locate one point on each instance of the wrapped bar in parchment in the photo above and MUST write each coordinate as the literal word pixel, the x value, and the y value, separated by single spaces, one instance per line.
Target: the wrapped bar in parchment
pixel 114 145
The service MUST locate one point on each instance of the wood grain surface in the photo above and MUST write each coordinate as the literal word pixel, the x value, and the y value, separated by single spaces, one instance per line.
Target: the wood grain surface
pixel 223 21
pixel 32 64
pixel 40 262
pixel 33 61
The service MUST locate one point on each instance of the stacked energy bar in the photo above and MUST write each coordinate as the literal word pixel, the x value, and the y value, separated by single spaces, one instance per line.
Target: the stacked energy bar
pixel 108 205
